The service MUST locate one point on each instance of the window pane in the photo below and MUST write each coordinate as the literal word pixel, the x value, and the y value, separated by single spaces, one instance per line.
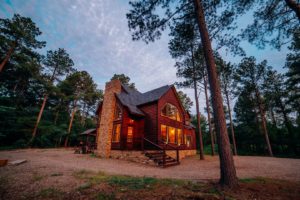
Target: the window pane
pixel 163 130
pixel 188 140
pixel 170 111
pixel 118 113
pixel 129 134
pixel 179 136
pixel 116 133
pixel 171 132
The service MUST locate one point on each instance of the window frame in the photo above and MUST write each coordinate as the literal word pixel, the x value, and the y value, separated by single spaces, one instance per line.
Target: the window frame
pixel 120 115
pixel 177 115
pixel 115 125
pixel 167 141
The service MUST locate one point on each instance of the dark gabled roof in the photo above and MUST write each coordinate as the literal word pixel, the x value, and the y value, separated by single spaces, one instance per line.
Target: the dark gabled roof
pixel 132 98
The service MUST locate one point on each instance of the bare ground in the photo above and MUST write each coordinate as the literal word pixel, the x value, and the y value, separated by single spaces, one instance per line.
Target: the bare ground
pixel 190 168
pixel 52 171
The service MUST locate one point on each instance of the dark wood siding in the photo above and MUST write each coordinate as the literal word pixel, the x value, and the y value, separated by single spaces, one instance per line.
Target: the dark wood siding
pixel 171 97
pixel 150 111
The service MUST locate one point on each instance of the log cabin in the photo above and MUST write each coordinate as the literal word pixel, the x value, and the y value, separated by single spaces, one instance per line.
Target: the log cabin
pixel 154 122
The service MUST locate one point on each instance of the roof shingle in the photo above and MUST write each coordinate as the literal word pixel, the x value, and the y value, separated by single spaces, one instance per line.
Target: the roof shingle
pixel 132 98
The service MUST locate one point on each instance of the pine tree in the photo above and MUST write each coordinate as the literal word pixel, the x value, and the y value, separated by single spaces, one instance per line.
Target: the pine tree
pixel 18 34
pixel 59 64
pixel 251 75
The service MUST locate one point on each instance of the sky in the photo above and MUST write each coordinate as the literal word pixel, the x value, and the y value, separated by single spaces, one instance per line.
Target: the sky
pixel 96 35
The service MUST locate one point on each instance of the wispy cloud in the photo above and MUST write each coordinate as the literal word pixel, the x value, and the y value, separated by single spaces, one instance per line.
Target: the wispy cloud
pixel 96 35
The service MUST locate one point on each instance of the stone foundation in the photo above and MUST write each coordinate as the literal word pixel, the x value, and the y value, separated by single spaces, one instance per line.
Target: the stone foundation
pixel 132 156
pixel 139 157
pixel 182 153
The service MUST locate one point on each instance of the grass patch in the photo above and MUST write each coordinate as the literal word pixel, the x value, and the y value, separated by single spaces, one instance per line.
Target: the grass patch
pixel 82 174
pixel 56 174
pixel 37 177
pixel 105 196
pixel 84 186
pixel 253 180
pixel 214 191
pixel 93 155
pixel 125 183
pixel 51 193
pixel 133 183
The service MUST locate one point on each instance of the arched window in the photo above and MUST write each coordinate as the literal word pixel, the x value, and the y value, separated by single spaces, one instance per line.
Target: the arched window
pixel 171 112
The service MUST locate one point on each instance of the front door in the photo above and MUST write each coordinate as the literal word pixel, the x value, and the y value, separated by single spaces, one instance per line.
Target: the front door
pixel 130 137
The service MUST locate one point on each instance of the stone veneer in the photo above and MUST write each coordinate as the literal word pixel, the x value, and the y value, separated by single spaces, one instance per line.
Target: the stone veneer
pixel 182 153
pixel 132 156
pixel 106 118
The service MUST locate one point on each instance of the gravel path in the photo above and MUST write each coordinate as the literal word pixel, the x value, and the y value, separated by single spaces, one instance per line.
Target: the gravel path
pixel 65 161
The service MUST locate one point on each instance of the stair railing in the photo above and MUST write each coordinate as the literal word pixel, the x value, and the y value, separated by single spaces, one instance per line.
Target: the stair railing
pixel 163 149
pixel 174 148
pixel 159 147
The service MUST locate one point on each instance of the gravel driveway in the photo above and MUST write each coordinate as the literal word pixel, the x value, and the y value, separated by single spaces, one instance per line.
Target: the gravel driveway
pixel 62 160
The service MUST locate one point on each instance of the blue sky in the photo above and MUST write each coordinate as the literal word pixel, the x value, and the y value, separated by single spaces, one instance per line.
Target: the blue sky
pixel 95 34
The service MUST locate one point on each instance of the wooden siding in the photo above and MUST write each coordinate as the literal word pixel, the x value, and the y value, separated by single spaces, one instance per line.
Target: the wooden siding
pixel 172 98
pixel 150 111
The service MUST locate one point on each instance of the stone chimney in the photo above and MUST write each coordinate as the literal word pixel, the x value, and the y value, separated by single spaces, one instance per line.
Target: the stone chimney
pixel 106 118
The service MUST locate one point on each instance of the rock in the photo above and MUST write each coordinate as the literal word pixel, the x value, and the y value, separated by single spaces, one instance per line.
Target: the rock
pixel 17 162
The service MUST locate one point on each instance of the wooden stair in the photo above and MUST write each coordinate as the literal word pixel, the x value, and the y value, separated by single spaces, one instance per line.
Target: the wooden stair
pixel 158 158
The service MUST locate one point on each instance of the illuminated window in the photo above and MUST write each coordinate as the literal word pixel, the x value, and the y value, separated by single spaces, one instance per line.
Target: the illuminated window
pixel 131 121
pixel 129 134
pixel 188 140
pixel 163 131
pixel 116 133
pixel 171 112
pixel 171 134
pixel 179 137
pixel 118 113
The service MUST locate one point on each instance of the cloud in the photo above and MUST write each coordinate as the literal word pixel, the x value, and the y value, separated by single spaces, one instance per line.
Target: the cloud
pixel 96 35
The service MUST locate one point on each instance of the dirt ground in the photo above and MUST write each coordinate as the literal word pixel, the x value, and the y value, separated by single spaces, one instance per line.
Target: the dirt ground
pixel 49 173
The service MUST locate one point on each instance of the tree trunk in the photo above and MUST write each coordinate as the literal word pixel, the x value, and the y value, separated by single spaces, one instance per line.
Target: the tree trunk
pixel 288 126
pixel 71 123
pixel 208 118
pixel 7 57
pixel 39 118
pixel 56 117
pixel 197 107
pixel 228 172
pixel 198 122
pixel 231 124
pixel 263 121
pixel 294 6
pixel 42 109
pixel 273 117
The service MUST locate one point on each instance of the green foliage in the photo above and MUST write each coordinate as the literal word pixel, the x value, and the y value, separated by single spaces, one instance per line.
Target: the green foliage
pixel 20 34
pixel 50 192
pixel 274 22
pixel 185 100
pixel 124 80
pixel 27 77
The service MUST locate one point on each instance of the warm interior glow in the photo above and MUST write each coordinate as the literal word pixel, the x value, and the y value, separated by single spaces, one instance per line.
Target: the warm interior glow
pixel 116 133
pixel 179 136
pixel 129 134
pixel 171 112
pixel 164 136
pixel 171 133
pixel 188 140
